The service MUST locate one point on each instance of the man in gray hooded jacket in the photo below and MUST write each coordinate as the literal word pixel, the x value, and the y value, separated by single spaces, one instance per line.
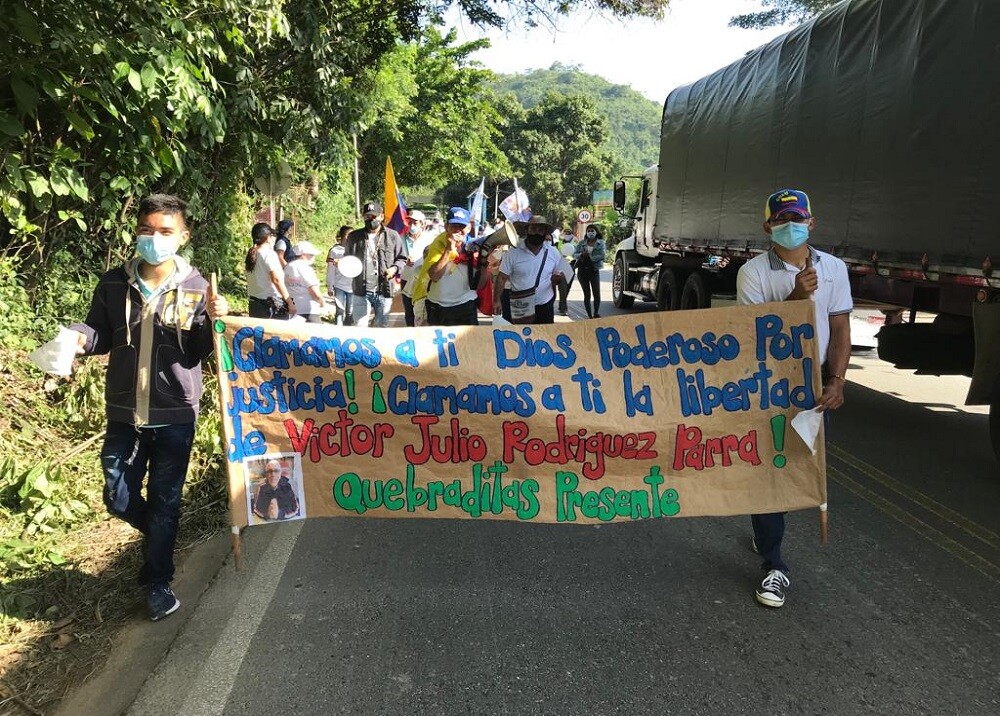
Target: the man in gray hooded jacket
pixel 153 315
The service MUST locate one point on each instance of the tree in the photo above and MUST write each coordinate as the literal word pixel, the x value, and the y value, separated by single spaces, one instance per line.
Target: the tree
pixel 556 153
pixel 434 115
pixel 781 12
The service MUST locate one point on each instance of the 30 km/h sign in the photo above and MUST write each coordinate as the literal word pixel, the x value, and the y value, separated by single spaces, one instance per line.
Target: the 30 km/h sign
pixel 584 216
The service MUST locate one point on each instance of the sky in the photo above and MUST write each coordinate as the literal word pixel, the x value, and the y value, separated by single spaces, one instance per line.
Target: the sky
pixel 692 40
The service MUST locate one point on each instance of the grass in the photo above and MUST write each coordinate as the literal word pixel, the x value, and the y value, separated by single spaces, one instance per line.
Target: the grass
pixel 67 569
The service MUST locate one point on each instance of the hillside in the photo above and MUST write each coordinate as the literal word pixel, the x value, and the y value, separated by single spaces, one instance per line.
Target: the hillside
pixel 634 120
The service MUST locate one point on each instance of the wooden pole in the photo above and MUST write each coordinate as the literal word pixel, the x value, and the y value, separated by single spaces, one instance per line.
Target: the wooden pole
pixel 824 523
pixel 235 538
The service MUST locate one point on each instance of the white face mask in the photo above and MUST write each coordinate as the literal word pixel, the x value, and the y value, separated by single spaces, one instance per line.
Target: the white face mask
pixel 156 248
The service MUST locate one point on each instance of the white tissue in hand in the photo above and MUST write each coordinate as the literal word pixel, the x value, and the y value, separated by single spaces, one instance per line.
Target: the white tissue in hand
pixel 807 425
pixel 56 356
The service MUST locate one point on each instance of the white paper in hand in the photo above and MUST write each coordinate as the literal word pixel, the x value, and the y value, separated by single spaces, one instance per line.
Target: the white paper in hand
pixel 807 425
pixel 499 320
pixel 56 356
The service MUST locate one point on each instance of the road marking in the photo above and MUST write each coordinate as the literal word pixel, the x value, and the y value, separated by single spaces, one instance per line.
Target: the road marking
pixel 971 558
pixel 946 514
pixel 210 693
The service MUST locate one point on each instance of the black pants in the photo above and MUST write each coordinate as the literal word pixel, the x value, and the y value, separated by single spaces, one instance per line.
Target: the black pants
pixel 545 312
pixel 590 281
pixel 464 314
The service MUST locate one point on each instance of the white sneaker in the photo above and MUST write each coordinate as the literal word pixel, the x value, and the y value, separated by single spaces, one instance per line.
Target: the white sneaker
pixel 771 592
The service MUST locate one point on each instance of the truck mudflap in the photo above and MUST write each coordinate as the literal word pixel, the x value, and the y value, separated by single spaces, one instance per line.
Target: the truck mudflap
pixel 927 348
pixel 985 387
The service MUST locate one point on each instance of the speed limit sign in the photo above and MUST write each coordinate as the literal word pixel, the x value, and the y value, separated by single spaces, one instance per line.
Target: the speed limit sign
pixel 584 216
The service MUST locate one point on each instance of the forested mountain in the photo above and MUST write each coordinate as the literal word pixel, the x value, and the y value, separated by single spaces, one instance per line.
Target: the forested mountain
pixel 634 121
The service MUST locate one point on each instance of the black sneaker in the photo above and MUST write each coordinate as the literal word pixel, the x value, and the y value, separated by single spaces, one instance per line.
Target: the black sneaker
pixel 771 592
pixel 161 601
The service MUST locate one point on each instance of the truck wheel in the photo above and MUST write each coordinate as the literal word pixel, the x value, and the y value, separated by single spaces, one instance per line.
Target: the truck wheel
pixel 668 291
pixel 619 283
pixel 695 293
pixel 995 428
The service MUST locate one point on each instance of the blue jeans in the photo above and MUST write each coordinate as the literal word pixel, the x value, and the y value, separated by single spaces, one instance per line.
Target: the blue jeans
pixel 768 531
pixel 128 455
pixel 342 300
pixel 365 306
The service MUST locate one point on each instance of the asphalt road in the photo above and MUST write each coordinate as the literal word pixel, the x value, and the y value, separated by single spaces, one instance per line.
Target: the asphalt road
pixel 897 614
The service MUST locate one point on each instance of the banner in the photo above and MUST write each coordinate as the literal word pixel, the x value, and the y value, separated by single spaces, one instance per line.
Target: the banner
pixel 654 415
pixel 396 216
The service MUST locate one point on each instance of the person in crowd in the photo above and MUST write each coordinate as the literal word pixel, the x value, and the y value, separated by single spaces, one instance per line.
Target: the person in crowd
pixel 567 268
pixel 417 239
pixel 269 298
pixel 588 258
pixel 274 499
pixel 283 243
pixel 793 270
pixel 454 274
pixel 340 287
pixel 381 252
pixel 303 284
pixel 532 268
pixel 154 316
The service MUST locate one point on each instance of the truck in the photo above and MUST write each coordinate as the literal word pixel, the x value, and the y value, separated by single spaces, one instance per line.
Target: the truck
pixel 887 113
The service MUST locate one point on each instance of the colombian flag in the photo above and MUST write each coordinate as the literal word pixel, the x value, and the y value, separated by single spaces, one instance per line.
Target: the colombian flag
pixel 397 217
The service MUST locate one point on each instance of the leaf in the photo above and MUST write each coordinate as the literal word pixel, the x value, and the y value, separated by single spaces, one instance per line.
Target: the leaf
pixel 38 184
pixel 25 95
pixel 27 25
pixel 148 77
pixel 135 80
pixel 80 124
pixel 10 126
pixel 57 559
pixel 122 71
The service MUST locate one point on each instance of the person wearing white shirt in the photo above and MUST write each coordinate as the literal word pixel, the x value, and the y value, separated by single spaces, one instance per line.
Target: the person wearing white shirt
pixel 454 277
pixel 339 286
pixel 533 261
pixel 417 239
pixel 268 296
pixel 302 284
pixel 793 270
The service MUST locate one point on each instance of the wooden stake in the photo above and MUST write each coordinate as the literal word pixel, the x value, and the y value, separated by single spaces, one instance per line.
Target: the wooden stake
pixel 824 524
pixel 237 540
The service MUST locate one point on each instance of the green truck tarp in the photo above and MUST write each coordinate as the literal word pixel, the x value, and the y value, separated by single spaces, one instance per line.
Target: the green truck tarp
pixel 887 112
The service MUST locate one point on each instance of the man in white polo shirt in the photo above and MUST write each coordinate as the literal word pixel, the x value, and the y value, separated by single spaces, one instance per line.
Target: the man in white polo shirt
pixel 793 270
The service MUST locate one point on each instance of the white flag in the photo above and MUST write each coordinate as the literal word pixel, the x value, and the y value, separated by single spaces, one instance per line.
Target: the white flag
pixel 516 207
pixel 477 207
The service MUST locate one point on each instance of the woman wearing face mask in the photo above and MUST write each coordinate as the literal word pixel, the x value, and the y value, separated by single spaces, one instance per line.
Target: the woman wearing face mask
pixel 266 280
pixel 589 258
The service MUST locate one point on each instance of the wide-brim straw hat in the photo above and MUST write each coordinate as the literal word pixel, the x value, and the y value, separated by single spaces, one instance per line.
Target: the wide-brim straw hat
pixel 522 226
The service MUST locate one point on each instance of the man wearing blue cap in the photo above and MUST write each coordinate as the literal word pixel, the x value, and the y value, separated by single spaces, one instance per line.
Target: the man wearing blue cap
pixel 792 270
pixel 455 274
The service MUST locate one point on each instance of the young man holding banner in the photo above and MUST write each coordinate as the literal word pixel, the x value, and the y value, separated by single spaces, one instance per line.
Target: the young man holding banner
pixel 154 317
pixel 793 270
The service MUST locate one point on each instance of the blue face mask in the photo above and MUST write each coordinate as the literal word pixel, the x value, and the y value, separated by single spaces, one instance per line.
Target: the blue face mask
pixel 156 248
pixel 790 235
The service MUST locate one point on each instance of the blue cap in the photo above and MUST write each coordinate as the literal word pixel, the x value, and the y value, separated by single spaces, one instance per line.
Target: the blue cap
pixel 458 215
pixel 785 201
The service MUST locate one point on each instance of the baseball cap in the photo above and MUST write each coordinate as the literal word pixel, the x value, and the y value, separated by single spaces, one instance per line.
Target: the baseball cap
pixel 457 215
pixel 417 215
pixel 371 207
pixel 787 200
